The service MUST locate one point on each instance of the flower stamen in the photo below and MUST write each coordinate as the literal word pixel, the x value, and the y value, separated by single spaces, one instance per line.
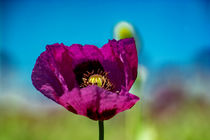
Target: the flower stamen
pixel 99 78
pixel 96 79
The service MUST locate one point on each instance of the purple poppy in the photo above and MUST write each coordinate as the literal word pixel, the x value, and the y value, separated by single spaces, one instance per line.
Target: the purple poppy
pixel 87 80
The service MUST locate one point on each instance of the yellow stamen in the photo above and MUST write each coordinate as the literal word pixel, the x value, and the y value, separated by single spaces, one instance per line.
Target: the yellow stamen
pixel 96 80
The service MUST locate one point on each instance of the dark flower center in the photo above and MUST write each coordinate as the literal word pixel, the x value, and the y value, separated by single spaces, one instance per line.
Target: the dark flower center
pixel 92 73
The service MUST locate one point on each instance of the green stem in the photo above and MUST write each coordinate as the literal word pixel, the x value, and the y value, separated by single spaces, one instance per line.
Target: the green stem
pixel 101 130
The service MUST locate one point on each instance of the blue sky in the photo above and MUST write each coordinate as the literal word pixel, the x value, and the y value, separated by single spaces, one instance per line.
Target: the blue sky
pixel 171 31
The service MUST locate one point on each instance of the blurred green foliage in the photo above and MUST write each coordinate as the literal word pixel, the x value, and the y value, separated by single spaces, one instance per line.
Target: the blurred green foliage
pixel 190 122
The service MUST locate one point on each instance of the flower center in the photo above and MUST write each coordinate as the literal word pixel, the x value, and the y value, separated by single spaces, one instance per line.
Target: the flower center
pixel 96 79
pixel 92 73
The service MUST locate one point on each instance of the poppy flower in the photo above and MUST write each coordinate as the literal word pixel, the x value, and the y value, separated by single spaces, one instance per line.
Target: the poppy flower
pixel 86 80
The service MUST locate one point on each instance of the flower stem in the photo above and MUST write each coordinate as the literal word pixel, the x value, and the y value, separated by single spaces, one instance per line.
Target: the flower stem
pixel 101 130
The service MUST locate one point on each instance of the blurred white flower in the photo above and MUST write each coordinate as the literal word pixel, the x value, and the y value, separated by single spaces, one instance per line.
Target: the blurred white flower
pixel 142 73
pixel 147 133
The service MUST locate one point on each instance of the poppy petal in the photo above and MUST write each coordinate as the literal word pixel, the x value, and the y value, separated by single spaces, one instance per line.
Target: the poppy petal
pixel 84 53
pixel 97 103
pixel 52 74
pixel 126 51
pixel 113 65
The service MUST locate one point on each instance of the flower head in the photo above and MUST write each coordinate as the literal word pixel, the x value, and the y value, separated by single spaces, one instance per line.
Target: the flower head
pixel 87 80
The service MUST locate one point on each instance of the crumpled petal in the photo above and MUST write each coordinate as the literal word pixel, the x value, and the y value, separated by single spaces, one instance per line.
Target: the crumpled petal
pixel 84 53
pixel 52 74
pixel 113 65
pixel 125 50
pixel 97 103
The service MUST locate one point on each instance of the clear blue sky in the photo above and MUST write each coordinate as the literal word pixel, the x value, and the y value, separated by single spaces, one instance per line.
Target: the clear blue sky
pixel 170 30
